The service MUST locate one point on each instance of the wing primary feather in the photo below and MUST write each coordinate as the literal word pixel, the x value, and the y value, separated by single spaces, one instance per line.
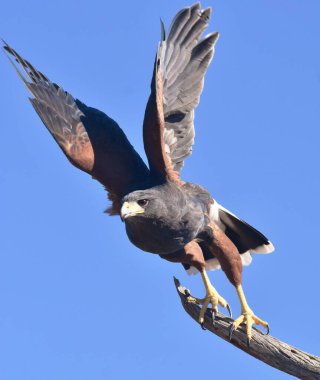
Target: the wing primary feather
pixel 181 63
pixel 177 24
pixel 16 69
pixel 197 28
pixel 91 140
pixel 163 30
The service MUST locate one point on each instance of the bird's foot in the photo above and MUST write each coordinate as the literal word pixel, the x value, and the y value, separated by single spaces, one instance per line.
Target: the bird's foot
pixel 212 297
pixel 249 319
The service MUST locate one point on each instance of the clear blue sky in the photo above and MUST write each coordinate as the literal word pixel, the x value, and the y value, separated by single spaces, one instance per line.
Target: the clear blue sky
pixel 77 301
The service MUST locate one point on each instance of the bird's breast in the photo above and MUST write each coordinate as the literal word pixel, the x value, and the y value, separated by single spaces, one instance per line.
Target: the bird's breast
pixel 157 236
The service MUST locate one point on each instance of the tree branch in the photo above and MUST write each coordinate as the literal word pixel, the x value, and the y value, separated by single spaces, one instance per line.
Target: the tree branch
pixel 270 350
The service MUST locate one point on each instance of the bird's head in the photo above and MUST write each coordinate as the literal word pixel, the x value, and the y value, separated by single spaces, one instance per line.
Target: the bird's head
pixel 141 203
pixel 133 208
pixel 155 203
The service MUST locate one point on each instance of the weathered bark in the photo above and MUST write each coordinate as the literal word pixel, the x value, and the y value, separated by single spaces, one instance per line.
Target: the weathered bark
pixel 266 348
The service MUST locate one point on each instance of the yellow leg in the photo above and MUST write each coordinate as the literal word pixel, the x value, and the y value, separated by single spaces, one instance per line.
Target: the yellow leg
pixel 247 316
pixel 212 297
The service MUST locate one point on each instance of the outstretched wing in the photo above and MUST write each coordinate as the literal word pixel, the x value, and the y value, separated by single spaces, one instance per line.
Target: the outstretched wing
pixel 181 63
pixel 91 140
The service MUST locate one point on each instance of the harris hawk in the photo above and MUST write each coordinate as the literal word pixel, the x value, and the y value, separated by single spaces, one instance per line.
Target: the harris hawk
pixel 164 215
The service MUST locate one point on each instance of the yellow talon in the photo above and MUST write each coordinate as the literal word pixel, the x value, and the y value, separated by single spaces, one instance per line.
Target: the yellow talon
pixel 247 316
pixel 212 297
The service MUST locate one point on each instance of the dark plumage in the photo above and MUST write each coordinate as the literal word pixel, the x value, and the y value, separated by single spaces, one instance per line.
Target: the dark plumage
pixel 163 214
pixel 172 217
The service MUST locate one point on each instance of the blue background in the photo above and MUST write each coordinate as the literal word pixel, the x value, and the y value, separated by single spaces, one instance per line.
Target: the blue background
pixel 77 300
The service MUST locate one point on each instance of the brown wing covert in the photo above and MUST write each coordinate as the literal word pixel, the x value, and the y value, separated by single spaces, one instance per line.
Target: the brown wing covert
pixel 90 139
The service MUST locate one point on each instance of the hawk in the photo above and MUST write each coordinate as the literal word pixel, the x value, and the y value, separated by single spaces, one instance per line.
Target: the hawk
pixel 163 214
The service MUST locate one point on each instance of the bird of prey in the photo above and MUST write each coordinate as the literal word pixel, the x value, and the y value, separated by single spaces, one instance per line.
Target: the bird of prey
pixel 163 214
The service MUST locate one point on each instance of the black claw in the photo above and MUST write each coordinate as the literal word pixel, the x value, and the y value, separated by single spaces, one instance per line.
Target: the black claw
pixel 248 342
pixel 229 310
pixel 231 332
pixel 268 330
pixel 202 326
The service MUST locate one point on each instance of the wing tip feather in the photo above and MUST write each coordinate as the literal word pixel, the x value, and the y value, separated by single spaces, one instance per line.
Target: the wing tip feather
pixel 163 30
pixel 206 14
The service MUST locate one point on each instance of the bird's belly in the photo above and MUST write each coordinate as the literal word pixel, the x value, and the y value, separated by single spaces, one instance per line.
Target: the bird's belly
pixel 158 237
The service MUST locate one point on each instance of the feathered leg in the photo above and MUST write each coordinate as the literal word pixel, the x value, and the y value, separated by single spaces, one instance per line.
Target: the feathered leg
pixel 229 258
pixel 192 255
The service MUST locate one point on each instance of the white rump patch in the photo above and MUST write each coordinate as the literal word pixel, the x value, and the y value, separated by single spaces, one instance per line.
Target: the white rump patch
pixel 192 270
pixel 214 214
pixel 246 258
pixel 211 264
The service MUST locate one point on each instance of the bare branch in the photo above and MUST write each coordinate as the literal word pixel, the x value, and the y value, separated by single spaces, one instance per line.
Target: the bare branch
pixel 266 348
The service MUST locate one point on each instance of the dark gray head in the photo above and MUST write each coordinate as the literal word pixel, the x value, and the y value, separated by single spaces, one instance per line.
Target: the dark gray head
pixel 165 201
pixel 162 219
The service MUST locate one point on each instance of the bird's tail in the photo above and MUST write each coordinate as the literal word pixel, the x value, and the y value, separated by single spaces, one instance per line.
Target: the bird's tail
pixel 246 238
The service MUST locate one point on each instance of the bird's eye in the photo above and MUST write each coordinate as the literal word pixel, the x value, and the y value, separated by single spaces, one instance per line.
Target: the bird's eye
pixel 143 202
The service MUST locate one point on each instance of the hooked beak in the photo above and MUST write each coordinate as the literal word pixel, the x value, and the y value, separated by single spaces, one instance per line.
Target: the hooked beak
pixel 130 209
